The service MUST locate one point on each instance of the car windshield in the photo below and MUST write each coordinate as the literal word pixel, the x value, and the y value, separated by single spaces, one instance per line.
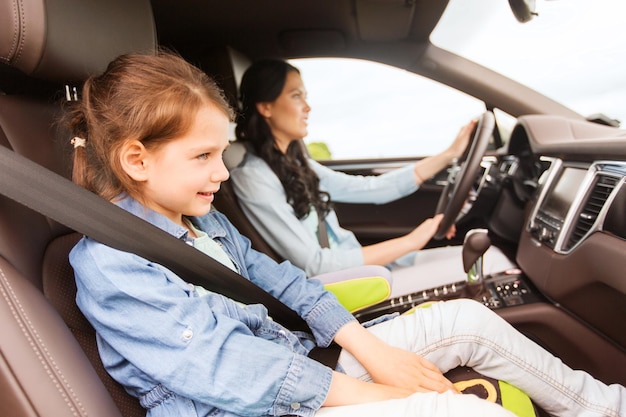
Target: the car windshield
pixel 574 51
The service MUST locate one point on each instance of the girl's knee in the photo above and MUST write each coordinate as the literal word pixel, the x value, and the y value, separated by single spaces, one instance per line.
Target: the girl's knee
pixel 469 312
pixel 471 307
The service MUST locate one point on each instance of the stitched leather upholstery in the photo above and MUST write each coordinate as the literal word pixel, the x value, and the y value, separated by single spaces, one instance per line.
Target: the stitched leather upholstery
pixel 49 364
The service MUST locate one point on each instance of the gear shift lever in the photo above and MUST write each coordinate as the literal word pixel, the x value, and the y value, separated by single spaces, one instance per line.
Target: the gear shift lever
pixel 475 245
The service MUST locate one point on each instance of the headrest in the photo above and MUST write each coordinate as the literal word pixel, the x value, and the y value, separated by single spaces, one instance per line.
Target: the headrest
pixel 226 66
pixel 68 40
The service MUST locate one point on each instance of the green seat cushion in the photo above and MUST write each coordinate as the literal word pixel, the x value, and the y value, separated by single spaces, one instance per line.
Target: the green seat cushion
pixel 355 294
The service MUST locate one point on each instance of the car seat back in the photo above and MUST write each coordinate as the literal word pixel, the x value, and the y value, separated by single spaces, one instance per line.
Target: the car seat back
pixel 43 45
pixel 226 66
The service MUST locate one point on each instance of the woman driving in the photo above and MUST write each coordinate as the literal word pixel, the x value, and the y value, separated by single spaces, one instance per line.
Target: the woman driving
pixel 288 196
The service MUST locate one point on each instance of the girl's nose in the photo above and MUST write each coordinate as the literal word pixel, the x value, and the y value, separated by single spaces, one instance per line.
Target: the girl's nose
pixel 220 174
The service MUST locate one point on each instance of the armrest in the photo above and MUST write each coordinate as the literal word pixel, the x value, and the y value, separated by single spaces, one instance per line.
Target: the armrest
pixel 356 272
pixel 358 287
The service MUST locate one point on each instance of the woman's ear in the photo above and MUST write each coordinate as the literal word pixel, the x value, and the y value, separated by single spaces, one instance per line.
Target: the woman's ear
pixel 132 159
pixel 265 109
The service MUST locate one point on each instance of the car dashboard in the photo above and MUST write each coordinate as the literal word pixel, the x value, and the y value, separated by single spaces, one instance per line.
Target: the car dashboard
pixel 574 238
pixel 570 175
pixel 561 206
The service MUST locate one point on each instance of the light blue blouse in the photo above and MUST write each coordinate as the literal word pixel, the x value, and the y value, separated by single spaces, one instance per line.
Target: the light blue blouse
pixel 189 355
pixel 264 201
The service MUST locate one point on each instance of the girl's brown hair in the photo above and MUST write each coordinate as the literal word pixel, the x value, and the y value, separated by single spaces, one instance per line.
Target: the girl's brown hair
pixel 150 98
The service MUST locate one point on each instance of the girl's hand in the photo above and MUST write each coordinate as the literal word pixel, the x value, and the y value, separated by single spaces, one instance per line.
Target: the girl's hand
pixel 346 390
pixel 391 366
pixel 407 370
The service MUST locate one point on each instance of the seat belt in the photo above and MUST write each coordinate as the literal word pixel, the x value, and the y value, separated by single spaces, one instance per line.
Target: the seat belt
pixel 91 215
pixel 322 231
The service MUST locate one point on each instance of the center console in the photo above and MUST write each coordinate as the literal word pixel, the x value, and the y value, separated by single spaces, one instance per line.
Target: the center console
pixel 549 219
pixel 571 201
pixel 506 289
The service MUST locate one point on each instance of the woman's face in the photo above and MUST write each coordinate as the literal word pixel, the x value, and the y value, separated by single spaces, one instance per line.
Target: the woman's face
pixel 287 115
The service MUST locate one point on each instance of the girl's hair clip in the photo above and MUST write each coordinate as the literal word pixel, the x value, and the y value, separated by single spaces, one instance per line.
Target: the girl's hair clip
pixel 78 142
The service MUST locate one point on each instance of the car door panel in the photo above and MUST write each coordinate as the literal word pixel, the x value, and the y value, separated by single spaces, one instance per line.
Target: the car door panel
pixel 373 223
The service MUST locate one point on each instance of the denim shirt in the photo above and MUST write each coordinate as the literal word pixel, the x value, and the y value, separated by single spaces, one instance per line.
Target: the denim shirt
pixel 186 354
pixel 264 202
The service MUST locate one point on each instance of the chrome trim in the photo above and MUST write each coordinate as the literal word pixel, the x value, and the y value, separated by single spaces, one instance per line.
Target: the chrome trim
pixel 606 168
pixel 614 169
pixel 569 221
pixel 543 185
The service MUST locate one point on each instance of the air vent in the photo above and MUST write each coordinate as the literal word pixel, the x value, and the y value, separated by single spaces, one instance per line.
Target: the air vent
pixel 602 188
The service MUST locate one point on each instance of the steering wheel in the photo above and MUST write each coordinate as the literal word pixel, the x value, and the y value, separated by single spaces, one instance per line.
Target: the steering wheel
pixel 461 179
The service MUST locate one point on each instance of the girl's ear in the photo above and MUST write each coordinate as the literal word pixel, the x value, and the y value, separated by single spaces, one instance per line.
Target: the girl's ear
pixel 264 109
pixel 132 159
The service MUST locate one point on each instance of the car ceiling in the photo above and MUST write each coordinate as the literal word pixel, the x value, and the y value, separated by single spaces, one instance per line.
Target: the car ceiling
pixel 394 32
pixel 288 28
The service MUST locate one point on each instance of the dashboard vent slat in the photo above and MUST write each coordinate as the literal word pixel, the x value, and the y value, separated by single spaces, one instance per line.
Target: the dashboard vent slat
pixel 602 188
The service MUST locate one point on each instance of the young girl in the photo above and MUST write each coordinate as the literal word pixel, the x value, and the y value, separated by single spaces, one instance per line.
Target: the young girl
pixel 283 192
pixel 149 136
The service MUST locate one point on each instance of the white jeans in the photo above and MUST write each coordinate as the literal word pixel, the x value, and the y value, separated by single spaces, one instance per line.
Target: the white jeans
pixel 465 333
pixel 430 268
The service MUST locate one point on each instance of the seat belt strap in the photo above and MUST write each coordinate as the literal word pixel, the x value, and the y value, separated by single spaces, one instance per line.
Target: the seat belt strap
pixel 89 214
pixel 322 231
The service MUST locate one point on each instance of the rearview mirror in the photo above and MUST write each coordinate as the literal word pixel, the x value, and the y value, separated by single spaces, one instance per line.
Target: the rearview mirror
pixel 524 10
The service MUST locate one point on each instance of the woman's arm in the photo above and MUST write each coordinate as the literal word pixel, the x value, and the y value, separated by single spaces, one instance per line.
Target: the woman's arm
pixel 392 185
pixel 431 165
pixel 372 189
pixel 263 200
pixel 388 251
pixel 383 253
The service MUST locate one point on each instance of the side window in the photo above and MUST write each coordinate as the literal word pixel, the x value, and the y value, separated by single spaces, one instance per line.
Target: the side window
pixel 362 109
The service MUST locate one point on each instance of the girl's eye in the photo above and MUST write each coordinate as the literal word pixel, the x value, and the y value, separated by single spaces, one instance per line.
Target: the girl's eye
pixel 203 156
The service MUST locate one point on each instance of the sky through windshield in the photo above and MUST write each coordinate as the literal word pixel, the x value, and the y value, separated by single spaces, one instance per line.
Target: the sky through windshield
pixel 573 52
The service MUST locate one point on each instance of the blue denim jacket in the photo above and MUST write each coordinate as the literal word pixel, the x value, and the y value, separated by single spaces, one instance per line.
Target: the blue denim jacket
pixel 185 354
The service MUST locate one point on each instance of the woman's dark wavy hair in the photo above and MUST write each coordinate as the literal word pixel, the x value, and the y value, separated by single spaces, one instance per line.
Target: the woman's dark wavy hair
pixel 263 82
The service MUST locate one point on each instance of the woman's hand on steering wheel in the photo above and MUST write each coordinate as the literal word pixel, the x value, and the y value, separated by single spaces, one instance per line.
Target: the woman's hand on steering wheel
pixel 460 181
pixel 460 145
pixel 423 233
